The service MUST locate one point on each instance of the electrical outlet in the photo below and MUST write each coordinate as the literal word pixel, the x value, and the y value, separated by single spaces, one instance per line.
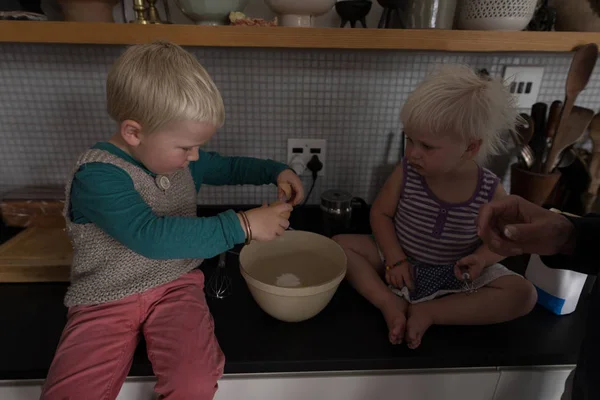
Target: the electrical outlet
pixel 524 84
pixel 305 149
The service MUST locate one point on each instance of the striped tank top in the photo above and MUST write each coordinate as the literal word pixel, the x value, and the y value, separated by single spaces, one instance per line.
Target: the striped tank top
pixel 435 232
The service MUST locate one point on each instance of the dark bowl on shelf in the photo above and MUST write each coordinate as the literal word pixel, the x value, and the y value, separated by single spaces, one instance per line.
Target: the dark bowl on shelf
pixel 353 10
pixel 392 3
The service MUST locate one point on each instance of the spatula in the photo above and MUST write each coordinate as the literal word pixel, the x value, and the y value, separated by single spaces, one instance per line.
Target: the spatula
pixel 594 166
pixel 553 116
pixel 581 69
pixel 595 133
pixel 570 132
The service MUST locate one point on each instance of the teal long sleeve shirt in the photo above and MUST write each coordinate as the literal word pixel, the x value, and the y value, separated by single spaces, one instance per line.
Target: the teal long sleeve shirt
pixel 104 194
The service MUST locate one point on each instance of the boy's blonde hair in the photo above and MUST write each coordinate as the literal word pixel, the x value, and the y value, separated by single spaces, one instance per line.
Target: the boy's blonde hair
pixel 455 100
pixel 157 83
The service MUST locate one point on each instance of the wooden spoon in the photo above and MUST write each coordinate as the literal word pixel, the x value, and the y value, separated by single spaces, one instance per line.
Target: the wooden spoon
pixel 581 69
pixel 594 167
pixel 553 117
pixel 570 131
pixel 595 133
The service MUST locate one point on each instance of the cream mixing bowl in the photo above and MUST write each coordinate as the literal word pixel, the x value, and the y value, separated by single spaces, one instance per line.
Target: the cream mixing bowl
pixel 293 277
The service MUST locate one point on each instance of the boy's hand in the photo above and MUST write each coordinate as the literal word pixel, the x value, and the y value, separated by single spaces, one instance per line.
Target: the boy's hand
pixel 400 276
pixel 287 180
pixel 473 264
pixel 267 223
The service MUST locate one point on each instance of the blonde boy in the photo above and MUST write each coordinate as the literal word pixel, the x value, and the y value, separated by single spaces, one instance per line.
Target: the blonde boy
pixel 131 215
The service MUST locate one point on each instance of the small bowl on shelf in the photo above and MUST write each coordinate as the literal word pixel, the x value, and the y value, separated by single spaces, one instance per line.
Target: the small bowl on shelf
pixel 210 12
pixel 353 11
pixel 299 13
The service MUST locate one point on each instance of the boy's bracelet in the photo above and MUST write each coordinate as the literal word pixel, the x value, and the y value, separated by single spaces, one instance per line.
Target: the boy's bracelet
pixel 244 225
pixel 397 264
pixel 247 227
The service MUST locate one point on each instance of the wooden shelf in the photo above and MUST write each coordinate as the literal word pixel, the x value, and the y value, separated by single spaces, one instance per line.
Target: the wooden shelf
pixel 282 37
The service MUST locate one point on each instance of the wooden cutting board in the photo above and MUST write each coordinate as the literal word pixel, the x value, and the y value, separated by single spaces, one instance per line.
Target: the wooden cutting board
pixel 36 254
pixel 34 206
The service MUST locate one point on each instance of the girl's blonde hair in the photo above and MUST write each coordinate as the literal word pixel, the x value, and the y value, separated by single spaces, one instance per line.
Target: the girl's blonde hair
pixel 157 83
pixel 456 100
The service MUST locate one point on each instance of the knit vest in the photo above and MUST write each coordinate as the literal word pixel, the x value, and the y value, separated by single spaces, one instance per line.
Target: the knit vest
pixel 105 270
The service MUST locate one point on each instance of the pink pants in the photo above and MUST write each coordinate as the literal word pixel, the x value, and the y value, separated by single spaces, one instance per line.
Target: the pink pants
pixel 96 348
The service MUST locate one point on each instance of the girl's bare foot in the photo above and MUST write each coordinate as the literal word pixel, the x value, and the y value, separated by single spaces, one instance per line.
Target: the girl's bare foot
pixel 419 320
pixel 394 312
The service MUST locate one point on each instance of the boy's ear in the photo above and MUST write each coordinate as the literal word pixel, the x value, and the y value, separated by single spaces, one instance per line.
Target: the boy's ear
pixel 473 148
pixel 131 132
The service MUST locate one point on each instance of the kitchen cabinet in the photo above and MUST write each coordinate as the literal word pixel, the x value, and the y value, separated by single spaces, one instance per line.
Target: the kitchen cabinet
pixel 469 384
pixel 464 385
pixel 535 384
pixel 286 37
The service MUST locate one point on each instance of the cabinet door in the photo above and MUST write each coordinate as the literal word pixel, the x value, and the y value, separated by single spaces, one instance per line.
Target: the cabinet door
pixel 532 384
pixel 468 385
pixel 20 390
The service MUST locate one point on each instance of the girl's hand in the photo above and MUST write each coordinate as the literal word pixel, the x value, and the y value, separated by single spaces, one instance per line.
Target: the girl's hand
pixel 267 223
pixel 400 276
pixel 290 188
pixel 473 264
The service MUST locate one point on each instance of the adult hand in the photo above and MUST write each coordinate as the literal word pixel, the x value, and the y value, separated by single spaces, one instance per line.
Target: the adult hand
pixel 290 187
pixel 513 225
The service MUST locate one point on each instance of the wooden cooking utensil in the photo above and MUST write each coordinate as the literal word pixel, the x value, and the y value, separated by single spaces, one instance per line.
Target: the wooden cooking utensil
pixel 538 142
pixel 36 255
pixel 569 132
pixel 592 192
pixel 595 133
pixel 581 69
pixel 594 167
pixel 553 117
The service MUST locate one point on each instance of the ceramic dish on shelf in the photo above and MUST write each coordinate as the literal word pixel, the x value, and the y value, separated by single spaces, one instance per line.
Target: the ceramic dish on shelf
pixel 210 12
pixel 495 15
pixel 299 13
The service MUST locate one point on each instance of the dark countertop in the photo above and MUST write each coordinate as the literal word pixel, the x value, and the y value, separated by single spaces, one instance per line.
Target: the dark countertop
pixel 349 334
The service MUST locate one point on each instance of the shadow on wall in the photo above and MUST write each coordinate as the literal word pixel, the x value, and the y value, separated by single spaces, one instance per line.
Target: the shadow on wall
pixel 383 171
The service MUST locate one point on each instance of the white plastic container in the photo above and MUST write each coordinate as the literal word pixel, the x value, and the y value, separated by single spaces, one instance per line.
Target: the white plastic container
pixel 558 289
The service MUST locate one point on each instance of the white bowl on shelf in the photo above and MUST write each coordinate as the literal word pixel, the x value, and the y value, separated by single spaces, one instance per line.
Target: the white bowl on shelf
pixel 299 13
pixel 210 12
pixel 495 15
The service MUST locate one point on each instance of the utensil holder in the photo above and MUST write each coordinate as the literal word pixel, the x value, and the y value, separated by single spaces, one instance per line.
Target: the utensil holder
pixel 532 186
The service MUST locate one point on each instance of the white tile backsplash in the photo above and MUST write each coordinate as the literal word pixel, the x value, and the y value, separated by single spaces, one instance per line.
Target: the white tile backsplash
pixel 52 107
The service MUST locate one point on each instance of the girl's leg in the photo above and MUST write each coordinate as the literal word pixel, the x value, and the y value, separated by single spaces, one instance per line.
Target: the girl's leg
pixel 182 347
pixel 364 273
pixel 95 351
pixel 504 299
